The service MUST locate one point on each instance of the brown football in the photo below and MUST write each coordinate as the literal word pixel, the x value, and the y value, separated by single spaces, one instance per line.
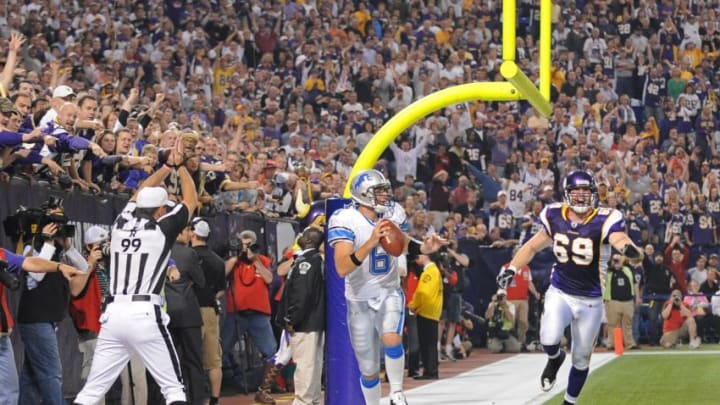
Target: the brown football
pixel 394 242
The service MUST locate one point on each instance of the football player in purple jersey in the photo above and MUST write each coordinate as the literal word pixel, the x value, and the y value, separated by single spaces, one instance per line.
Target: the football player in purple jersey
pixel 575 229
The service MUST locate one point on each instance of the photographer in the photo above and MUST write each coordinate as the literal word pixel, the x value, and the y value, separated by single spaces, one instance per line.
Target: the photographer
pixel 678 322
pixel 85 309
pixel 10 266
pixel 247 303
pixel 452 265
pixel 501 317
pixel 43 304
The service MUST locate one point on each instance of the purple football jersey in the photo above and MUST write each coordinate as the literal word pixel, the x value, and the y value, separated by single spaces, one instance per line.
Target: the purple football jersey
pixel 577 247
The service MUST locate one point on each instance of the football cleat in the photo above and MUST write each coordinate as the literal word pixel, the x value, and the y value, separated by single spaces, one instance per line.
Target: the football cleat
pixel 398 398
pixel 549 374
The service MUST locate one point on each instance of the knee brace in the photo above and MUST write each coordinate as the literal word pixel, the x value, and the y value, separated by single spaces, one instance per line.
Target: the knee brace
pixel 369 383
pixel 394 352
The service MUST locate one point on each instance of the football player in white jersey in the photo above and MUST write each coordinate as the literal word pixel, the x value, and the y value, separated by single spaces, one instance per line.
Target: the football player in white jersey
pixel 576 230
pixel 375 300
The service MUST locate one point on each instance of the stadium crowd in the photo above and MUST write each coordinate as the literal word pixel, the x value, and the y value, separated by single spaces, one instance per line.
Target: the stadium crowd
pixel 278 99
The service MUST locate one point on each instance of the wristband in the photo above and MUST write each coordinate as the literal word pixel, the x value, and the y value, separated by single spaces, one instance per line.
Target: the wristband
pixel 414 248
pixel 167 166
pixel 355 260
pixel 57 269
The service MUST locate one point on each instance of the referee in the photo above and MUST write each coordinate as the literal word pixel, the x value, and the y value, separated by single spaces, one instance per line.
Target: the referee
pixel 133 320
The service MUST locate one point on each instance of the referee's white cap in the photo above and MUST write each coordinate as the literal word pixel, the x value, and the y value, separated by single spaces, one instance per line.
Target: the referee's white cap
pixel 152 197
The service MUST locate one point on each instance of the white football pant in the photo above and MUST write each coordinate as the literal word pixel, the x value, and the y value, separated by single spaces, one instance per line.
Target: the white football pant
pixel 583 314
pixel 368 321
pixel 139 328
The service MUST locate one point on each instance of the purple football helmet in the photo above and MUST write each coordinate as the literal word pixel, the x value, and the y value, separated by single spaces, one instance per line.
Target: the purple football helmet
pixel 580 180
pixel 315 216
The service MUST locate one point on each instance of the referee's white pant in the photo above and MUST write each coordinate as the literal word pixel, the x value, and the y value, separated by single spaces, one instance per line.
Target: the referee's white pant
pixel 133 327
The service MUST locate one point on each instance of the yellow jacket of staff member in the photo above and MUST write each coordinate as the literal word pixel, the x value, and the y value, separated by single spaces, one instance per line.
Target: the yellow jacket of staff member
pixel 428 298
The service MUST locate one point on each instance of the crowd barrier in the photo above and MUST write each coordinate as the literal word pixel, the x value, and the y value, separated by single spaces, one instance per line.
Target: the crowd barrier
pixel 274 235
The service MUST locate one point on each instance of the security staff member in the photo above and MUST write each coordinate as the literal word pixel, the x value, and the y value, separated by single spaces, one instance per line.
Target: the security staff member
pixel 302 313
pixel 213 268
pixel 134 321
pixel 12 263
pixel 619 296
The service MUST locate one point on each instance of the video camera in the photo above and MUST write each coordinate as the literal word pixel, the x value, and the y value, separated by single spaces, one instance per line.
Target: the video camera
pixel 442 258
pixel 28 222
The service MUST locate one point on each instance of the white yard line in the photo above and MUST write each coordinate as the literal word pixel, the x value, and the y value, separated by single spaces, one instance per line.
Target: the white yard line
pixel 512 381
pixel 671 352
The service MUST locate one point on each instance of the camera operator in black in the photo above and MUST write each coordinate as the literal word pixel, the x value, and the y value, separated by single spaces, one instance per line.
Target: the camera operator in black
pixel 185 318
pixel 452 264
pixel 500 315
pixel 43 304
pixel 11 266
pixel 208 297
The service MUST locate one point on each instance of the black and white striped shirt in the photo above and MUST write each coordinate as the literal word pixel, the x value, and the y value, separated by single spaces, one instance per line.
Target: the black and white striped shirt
pixel 140 248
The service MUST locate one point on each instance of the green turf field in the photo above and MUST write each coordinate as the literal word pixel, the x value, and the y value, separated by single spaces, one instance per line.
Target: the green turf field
pixel 655 377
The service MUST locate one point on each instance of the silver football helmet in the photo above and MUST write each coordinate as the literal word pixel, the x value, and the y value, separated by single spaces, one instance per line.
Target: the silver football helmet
pixel 365 187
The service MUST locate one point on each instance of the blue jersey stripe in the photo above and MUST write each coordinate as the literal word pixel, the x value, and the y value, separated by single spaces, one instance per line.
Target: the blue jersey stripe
pixel 340 233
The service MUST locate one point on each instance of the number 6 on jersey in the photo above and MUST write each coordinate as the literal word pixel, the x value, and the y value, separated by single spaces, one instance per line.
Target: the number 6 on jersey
pixel 581 249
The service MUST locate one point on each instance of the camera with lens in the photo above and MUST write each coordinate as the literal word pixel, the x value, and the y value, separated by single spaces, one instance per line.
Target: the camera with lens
pixel 495 324
pixel 237 249
pixel 105 249
pixel 442 258
pixel 28 222
pixel 253 248
pixel 9 280
pixel 676 300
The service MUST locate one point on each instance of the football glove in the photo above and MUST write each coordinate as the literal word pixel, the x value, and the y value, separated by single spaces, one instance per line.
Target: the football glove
pixel 505 276
pixel 632 252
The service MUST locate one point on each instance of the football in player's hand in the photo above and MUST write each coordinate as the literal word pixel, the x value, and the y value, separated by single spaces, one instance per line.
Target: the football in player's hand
pixel 394 241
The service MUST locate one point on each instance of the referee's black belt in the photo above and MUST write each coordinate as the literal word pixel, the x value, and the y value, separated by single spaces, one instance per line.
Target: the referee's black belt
pixel 152 298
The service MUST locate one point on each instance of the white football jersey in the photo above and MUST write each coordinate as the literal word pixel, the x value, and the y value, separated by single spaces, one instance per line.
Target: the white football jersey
pixel 378 273
pixel 517 195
